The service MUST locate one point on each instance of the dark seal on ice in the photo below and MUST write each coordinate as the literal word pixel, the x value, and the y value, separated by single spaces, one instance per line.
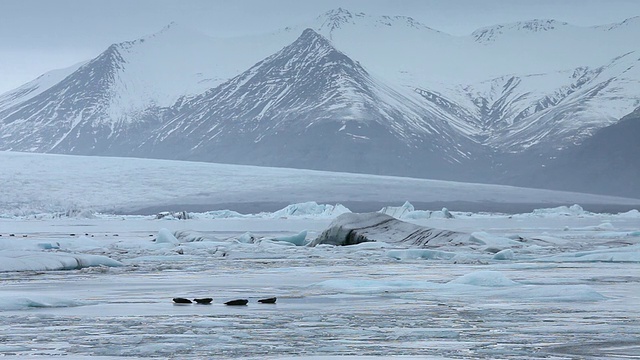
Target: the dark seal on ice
pixel 271 300
pixel 203 301
pixel 238 302
pixel 179 300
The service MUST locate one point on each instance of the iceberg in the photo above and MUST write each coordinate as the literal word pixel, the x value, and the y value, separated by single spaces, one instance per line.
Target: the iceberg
pixel 178 215
pixel 219 214
pixel 407 211
pixel 247 238
pixel 166 237
pixel 573 210
pixel 184 236
pixel 353 228
pixel 398 212
pixel 311 208
pixel 632 214
pixel 16 260
pixel 494 244
pixel 506 254
pixel 297 240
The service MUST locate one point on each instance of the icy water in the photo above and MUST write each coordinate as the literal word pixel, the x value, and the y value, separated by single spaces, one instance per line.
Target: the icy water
pixel 332 301
pixel 131 314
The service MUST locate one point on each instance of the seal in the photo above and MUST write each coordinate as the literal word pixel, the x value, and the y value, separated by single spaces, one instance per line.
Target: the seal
pixel 179 300
pixel 271 300
pixel 238 302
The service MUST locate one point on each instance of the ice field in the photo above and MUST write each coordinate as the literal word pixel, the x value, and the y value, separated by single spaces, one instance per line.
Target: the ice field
pixel 78 282
pixel 569 287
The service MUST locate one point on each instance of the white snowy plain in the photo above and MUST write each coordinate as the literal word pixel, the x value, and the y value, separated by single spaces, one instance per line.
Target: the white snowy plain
pixel 555 283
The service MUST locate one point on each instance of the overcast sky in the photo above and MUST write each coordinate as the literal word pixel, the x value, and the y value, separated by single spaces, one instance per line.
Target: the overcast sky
pixel 41 35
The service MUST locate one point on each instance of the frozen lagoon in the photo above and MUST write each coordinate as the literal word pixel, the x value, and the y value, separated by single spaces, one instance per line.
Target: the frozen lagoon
pixel 570 292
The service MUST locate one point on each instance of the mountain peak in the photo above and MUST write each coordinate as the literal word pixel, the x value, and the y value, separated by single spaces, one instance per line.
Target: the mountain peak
pixel 405 20
pixel 309 34
pixel 306 81
pixel 336 18
pixel 339 12
pixel 309 42
pixel 492 33
pixel 537 25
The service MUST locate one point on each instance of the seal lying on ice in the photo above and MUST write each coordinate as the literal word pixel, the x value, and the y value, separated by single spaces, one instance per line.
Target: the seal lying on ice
pixel 203 301
pixel 271 300
pixel 180 300
pixel 238 302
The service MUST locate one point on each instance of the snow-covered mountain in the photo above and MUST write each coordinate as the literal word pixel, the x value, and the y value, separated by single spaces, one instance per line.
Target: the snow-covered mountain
pixel 354 92
pixel 35 87
pixel 556 109
pixel 319 107
pixel 537 74
pixel 607 162
pixel 119 91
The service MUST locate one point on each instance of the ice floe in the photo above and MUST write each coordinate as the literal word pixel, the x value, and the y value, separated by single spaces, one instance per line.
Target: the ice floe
pixel 16 260
pixel 484 278
pixel 19 302
pixel 404 240
pixel 629 253
pixel 475 284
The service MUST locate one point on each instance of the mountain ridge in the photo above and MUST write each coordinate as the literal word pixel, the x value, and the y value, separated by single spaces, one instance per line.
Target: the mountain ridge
pixel 308 90
pixel 135 95
pixel 606 161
